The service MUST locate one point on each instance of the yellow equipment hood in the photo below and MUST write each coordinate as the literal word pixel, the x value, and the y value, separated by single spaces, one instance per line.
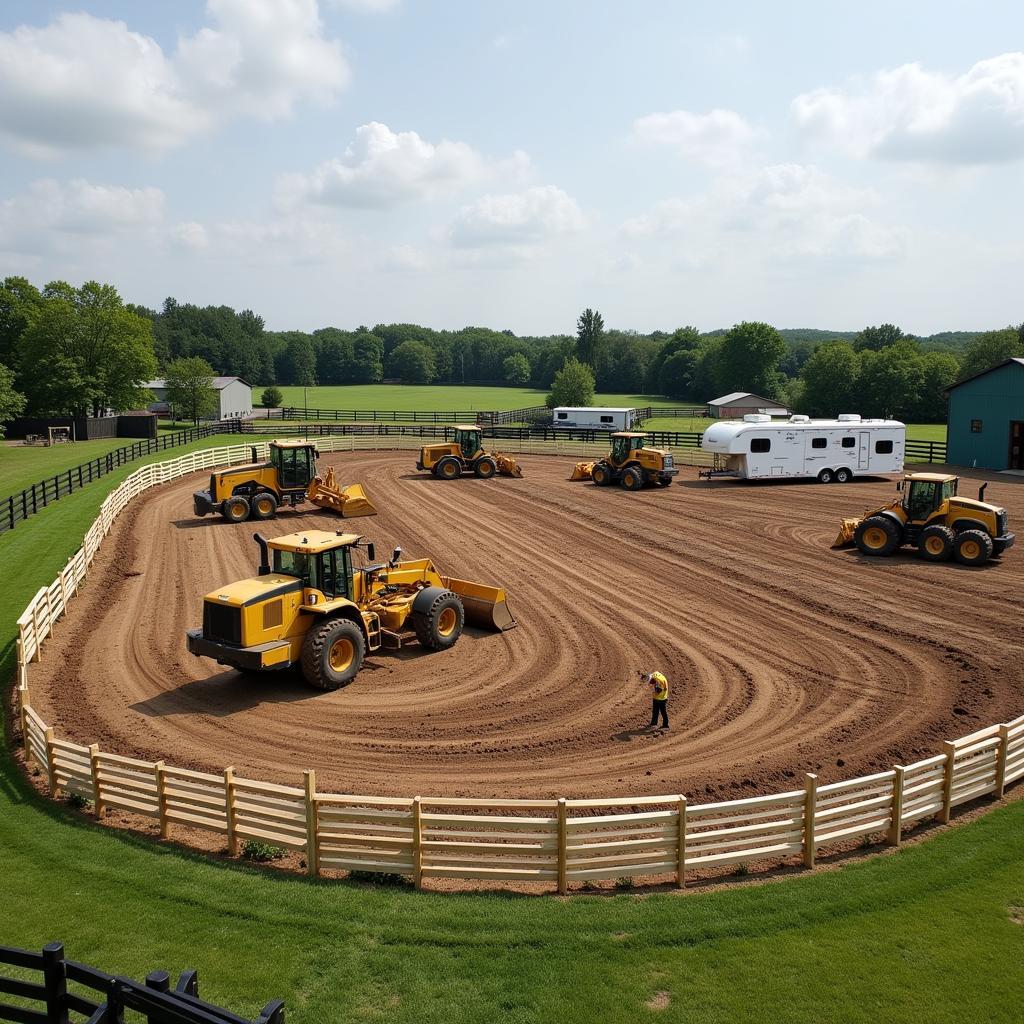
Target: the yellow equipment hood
pixel 251 591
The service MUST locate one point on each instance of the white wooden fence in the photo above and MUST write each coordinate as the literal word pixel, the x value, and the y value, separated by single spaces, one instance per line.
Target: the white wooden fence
pixel 555 842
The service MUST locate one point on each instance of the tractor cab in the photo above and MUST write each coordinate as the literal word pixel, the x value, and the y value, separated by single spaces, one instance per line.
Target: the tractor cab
pixel 926 493
pixel 623 443
pixel 319 560
pixel 468 440
pixel 295 462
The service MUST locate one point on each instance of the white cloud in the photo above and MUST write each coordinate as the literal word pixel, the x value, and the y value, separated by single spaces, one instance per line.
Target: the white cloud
pixel 383 168
pixel 717 139
pixel 404 257
pixel 365 6
pixel 83 82
pixel 911 114
pixel 190 235
pixel 521 218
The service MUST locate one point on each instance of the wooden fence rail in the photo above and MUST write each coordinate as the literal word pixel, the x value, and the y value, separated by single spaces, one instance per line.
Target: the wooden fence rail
pixel 553 842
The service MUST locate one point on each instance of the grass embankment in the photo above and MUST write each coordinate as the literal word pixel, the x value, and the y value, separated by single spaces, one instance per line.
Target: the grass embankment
pixel 931 934
pixel 23 465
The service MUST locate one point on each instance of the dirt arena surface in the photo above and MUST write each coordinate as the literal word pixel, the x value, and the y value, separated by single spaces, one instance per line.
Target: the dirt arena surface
pixel 783 656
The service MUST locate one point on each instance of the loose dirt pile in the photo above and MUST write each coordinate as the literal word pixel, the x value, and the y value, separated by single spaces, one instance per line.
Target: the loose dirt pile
pixel 783 656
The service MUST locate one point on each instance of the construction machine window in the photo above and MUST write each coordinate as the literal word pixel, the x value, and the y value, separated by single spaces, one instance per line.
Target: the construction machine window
pixel 620 448
pixel 922 499
pixel 468 441
pixel 760 444
pixel 883 447
pixel 295 563
pixel 294 466
pixel 819 442
pixel 849 442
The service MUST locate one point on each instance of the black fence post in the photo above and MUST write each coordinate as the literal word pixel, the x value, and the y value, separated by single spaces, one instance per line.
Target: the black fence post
pixel 56 983
pixel 272 1013
pixel 159 981
pixel 188 983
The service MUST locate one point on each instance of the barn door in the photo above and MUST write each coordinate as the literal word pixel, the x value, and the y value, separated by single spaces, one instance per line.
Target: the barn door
pixel 1016 445
pixel 864 450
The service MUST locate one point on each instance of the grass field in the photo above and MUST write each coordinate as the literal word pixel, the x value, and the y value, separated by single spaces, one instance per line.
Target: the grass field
pixel 21 466
pixel 931 934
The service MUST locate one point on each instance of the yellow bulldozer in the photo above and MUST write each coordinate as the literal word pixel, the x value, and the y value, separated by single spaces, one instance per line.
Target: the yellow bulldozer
pixel 630 463
pixel 258 489
pixel 310 607
pixel 932 517
pixel 465 454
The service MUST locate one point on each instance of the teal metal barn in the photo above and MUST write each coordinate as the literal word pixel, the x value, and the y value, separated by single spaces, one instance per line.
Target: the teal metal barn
pixel 986 418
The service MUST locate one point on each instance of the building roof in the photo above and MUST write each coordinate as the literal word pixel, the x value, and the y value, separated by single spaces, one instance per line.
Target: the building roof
pixel 219 383
pixel 998 366
pixel 736 395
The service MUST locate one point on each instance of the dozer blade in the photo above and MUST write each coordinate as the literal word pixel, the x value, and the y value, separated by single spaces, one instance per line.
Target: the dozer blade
pixel 582 471
pixel 350 502
pixel 485 606
pixel 846 532
pixel 507 466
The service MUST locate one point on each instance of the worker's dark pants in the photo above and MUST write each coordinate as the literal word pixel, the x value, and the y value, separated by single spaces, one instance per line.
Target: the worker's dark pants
pixel 659 707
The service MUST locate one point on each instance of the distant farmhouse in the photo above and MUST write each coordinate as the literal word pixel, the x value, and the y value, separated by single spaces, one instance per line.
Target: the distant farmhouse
pixel 739 403
pixel 234 398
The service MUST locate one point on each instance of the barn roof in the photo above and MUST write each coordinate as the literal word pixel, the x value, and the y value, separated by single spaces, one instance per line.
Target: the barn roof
pixel 998 366
pixel 219 383
pixel 736 395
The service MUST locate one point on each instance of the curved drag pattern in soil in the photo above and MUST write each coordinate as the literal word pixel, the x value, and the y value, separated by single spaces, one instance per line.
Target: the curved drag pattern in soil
pixel 783 656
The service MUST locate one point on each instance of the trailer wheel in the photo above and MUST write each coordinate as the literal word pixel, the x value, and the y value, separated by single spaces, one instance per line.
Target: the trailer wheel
pixel 826 476
pixel 236 509
pixel 332 654
pixel 601 475
pixel 936 543
pixel 844 475
pixel 485 467
pixel 973 547
pixel 632 479
pixel 878 535
pixel 449 469
pixel 264 505
pixel 439 624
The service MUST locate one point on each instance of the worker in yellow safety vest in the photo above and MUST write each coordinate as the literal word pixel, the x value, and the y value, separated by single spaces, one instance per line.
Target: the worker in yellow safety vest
pixel 659 705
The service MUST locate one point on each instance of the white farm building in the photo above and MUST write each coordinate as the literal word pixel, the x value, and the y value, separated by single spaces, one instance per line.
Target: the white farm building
pixel 234 397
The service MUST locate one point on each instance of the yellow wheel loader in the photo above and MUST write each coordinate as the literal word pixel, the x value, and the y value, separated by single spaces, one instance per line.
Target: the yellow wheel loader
pixel 257 490
pixel 311 608
pixel 465 454
pixel 630 463
pixel 932 517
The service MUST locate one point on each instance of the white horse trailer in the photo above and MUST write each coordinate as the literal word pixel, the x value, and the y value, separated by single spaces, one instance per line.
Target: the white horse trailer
pixel 592 418
pixel 759 448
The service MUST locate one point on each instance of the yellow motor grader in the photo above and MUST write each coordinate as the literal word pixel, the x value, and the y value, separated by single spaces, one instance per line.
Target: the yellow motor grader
pixel 932 517
pixel 258 489
pixel 465 454
pixel 630 463
pixel 311 607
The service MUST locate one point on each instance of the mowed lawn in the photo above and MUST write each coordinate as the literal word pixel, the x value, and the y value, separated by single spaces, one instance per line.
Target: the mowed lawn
pixel 930 934
pixel 24 465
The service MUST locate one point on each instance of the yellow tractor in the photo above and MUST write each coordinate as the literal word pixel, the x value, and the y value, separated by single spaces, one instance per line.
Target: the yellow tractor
pixel 465 454
pixel 931 516
pixel 257 490
pixel 630 463
pixel 311 607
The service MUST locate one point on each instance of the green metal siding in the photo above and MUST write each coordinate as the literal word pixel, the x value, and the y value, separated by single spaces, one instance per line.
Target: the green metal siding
pixel 996 398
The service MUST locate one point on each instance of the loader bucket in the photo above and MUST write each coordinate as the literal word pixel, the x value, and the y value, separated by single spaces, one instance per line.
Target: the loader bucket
pixel 350 502
pixel 846 532
pixel 507 466
pixel 582 471
pixel 485 606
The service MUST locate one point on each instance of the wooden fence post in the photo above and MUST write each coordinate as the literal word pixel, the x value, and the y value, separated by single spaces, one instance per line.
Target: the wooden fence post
pixel 417 842
pixel 55 983
pixel 51 763
pixel 681 845
pixel 810 801
pixel 94 770
pixel 947 782
pixel 161 799
pixel 895 836
pixel 229 810
pixel 563 839
pixel 1004 743
pixel 312 853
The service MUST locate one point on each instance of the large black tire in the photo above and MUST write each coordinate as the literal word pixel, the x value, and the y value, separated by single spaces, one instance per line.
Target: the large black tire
pixel 878 535
pixel 264 505
pixel 449 468
pixel 843 475
pixel 936 543
pixel 332 654
pixel 485 467
pixel 439 619
pixel 826 476
pixel 973 547
pixel 601 474
pixel 236 509
pixel 632 479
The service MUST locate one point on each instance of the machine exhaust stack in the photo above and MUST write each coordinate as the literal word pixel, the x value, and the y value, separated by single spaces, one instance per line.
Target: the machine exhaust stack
pixel 264 554
pixel 981 491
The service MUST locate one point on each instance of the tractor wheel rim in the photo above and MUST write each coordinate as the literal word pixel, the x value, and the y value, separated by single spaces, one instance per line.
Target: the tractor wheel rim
pixel 446 622
pixel 970 549
pixel 341 654
pixel 875 537
pixel 935 545
pixel 264 506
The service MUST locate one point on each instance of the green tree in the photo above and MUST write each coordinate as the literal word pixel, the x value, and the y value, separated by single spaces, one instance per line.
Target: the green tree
pixel 589 334
pixel 991 349
pixel 686 339
pixel 677 374
pixel 189 383
pixel 517 369
pixel 300 360
pixel 939 370
pixel 18 300
pixel 891 380
pixel 272 398
pixel 12 403
pixel 573 385
pixel 874 339
pixel 749 358
pixel 413 362
pixel 367 357
pixel 830 380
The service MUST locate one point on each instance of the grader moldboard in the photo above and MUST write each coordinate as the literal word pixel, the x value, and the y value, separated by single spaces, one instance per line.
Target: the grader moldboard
pixel 310 607
pixel 931 516
pixel 465 454
pixel 257 490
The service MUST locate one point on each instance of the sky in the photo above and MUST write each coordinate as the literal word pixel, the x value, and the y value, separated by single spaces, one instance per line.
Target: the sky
pixel 506 164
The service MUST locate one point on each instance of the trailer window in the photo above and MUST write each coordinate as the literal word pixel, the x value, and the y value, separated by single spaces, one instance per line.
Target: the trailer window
pixel 819 442
pixel 563 415
pixel 606 419
pixel 883 447
pixel 760 444
pixel 849 442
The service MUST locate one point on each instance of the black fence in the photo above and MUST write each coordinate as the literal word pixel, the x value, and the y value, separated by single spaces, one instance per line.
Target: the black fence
pixel 926 451
pixel 67 990
pixel 372 415
pixel 20 506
